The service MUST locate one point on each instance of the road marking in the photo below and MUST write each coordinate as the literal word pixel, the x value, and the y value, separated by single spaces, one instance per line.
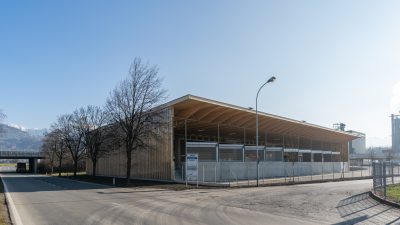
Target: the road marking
pixel 16 219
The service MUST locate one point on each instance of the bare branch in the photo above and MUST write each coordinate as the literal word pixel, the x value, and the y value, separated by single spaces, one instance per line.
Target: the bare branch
pixel 129 107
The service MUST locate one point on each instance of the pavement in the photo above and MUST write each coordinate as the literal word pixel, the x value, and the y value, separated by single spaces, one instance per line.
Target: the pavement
pixel 51 200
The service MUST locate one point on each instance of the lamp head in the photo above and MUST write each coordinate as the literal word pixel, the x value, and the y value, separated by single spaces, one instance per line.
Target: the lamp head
pixel 272 79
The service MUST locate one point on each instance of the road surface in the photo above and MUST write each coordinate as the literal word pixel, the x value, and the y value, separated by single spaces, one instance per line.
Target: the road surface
pixel 50 200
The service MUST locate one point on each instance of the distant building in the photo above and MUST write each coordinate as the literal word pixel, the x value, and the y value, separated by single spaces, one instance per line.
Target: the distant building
pixel 358 145
pixel 396 133
pixel 339 126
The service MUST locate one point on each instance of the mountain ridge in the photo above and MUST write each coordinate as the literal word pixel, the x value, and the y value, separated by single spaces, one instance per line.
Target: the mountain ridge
pixel 14 139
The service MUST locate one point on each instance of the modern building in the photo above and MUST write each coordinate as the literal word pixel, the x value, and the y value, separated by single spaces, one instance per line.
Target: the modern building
pixel 357 146
pixel 396 133
pixel 224 137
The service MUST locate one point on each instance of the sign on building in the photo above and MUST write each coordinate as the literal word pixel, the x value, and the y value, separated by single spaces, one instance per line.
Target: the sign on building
pixel 192 164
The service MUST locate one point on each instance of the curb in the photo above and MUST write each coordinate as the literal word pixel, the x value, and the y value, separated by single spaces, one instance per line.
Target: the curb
pixel 383 201
pixel 15 218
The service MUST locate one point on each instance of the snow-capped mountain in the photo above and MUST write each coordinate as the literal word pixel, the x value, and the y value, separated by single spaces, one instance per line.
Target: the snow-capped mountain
pixel 18 138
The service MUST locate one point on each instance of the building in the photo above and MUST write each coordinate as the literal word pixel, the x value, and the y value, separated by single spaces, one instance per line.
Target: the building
pixel 224 137
pixel 396 133
pixel 357 146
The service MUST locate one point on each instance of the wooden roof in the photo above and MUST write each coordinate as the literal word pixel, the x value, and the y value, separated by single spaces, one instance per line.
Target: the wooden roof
pixel 201 109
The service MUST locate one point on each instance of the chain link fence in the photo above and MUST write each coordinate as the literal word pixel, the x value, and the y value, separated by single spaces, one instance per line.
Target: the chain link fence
pixel 386 180
pixel 245 173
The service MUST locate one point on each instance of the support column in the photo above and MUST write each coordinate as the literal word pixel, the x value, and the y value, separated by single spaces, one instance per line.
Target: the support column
pixel 32 165
pixel 244 144
pixel 217 151
pixel 184 177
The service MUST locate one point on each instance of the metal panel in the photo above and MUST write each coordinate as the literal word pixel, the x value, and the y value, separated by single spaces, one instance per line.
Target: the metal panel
pixel 201 144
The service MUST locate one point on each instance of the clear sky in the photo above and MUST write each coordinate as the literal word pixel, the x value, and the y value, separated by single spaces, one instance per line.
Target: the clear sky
pixel 334 60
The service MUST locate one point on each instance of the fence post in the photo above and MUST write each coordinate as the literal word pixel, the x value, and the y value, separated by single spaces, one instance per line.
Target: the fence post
pixel 284 170
pixel 384 179
pixel 247 172
pixel 373 176
pixel 322 170
pixel 229 176
pixel 391 171
pixel 203 173
pixel 262 173
pixel 215 173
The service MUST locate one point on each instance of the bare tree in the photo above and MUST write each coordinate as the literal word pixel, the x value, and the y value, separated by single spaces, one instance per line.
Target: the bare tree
pixel 57 144
pixel 91 121
pixel 129 107
pixel 69 126
pixel 54 149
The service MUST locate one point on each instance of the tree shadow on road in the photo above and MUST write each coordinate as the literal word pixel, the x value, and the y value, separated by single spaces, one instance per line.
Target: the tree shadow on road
pixel 29 183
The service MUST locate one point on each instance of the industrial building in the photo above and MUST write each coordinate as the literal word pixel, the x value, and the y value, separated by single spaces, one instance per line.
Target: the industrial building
pixel 396 133
pixel 357 146
pixel 224 137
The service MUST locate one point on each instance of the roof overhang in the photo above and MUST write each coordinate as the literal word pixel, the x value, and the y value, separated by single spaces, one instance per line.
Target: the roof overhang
pixel 196 108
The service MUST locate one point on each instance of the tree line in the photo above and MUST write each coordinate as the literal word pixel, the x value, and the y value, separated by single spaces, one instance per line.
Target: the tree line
pixel 124 122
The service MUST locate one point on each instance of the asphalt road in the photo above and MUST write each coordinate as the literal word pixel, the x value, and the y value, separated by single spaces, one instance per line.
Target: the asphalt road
pixel 50 200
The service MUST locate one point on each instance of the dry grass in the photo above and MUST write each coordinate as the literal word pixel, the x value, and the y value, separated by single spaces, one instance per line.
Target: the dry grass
pixel 393 193
pixel 4 215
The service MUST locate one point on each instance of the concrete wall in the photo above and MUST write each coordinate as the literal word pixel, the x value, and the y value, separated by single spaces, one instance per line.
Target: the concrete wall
pixel 229 171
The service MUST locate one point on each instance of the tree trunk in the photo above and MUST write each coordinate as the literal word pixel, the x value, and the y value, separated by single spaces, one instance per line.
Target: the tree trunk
pixel 94 162
pixel 128 167
pixel 75 168
pixel 59 166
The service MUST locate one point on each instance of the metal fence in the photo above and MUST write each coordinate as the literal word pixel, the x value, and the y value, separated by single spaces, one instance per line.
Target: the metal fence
pixel 245 173
pixel 386 180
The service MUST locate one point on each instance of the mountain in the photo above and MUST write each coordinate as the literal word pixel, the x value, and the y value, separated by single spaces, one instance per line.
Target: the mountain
pixel 14 139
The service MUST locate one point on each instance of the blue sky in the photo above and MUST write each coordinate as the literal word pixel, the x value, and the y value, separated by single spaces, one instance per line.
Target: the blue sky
pixel 334 60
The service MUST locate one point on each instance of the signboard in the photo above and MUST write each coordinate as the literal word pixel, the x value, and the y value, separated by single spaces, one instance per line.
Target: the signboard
pixel 192 163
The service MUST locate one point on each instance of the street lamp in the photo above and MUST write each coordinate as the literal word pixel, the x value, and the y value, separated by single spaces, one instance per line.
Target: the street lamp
pixel 270 80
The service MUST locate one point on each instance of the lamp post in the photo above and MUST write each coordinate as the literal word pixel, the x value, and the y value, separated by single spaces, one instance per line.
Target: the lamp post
pixel 270 80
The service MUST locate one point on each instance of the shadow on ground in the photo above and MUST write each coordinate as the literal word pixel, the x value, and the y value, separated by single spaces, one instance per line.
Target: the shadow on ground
pixel 361 208
pixel 27 183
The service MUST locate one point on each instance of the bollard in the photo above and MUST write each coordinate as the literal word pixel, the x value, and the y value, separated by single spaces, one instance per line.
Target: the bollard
pixel 114 181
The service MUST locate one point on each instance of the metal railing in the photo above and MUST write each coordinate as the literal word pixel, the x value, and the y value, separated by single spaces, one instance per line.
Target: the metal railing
pixel 29 154
pixel 386 180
